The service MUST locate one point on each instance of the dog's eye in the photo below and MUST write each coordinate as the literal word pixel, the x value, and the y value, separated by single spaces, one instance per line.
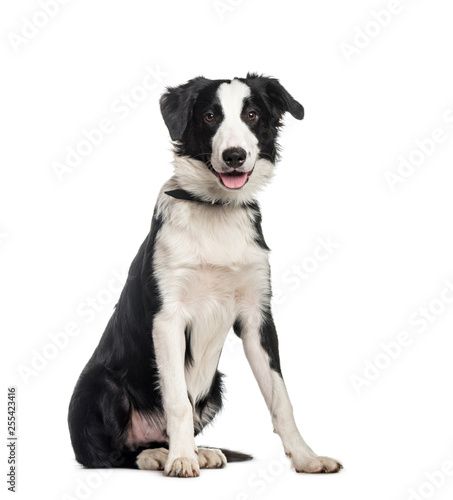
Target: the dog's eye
pixel 251 115
pixel 209 117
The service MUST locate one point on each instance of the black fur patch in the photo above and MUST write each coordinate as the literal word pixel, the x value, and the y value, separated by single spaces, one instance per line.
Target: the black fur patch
pixel 188 357
pixel 268 334
pixel 256 213
pixel 269 340
pixel 189 103
pixel 212 403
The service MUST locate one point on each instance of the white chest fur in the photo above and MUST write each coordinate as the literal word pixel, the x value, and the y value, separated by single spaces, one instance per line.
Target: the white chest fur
pixel 209 270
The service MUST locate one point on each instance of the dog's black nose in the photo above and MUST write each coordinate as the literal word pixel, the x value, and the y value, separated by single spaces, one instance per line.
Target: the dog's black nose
pixel 234 157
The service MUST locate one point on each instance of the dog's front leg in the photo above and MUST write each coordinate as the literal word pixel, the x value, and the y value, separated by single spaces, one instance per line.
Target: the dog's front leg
pixel 169 345
pixel 261 349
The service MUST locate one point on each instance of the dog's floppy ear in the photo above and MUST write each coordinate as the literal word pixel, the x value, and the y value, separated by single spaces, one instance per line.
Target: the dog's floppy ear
pixel 177 103
pixel 279 98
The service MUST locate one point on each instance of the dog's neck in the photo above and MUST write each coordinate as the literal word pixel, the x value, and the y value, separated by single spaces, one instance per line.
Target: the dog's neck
pixel 182 194
pixel 194 176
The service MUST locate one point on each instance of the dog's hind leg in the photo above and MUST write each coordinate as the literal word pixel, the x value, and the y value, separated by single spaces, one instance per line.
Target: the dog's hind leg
pixel 99 414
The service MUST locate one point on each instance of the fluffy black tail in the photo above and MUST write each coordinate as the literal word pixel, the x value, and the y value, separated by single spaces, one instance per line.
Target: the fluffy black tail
pixel 236 456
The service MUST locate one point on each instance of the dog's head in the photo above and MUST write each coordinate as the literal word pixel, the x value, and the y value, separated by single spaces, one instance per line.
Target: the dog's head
pixel 225 133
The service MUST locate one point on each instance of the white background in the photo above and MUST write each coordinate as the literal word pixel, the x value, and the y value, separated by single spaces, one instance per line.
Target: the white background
pixel 62 239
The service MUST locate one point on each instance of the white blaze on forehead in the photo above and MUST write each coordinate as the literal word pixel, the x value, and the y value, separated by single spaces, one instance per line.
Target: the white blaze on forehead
pixel 233 132
pixel 232 96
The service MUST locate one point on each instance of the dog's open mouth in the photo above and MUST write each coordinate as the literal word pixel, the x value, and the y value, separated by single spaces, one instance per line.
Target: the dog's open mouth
pixel 232 180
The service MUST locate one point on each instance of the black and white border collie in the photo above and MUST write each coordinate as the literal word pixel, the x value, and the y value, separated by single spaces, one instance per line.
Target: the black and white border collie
pixel 152 383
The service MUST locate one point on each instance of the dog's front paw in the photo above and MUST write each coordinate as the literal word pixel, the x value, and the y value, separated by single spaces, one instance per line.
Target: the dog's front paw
pixel 316 465
pixel 182 467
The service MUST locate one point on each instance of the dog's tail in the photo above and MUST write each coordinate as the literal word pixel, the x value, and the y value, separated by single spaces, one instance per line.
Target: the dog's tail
pixel 235 456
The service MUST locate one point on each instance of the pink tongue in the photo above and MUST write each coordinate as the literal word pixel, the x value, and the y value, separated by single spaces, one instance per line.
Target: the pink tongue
pixel 234 181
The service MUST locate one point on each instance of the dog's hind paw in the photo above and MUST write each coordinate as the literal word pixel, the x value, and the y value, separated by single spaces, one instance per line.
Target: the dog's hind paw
pixel 210 458
pixel 152 459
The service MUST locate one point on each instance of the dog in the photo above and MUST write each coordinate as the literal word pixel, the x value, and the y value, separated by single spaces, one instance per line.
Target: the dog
pixel 152 383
